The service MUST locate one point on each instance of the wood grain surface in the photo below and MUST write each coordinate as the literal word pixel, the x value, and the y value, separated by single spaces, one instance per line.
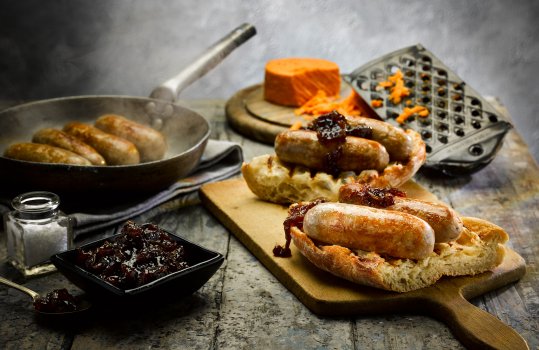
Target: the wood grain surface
pixel 248 124
pixel 255 104
pixel 251 115
pixel 244 306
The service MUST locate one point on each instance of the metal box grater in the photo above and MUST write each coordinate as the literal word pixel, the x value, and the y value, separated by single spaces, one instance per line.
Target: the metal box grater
pixel 462 132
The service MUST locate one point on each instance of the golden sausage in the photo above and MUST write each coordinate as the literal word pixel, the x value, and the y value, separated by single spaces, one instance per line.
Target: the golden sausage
pixel 35 152
pixel 376 230
pixel 397 143
pixel 115 150
pixel 63 140
pixel 357 154
pixel 444 221
pixel 150 142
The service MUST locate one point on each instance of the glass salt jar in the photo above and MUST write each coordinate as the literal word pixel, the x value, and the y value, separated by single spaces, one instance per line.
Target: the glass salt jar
pixel 35 231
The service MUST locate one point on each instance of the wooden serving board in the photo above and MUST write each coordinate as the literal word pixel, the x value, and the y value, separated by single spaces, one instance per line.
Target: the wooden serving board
pixel 252 116
pixel 259 226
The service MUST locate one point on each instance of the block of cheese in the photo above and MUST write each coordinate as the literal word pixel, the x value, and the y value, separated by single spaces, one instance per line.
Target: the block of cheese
pixel 294 81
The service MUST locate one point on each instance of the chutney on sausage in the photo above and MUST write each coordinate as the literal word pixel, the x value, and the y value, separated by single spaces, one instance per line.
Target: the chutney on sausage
pixel 445 222
pixel 355 154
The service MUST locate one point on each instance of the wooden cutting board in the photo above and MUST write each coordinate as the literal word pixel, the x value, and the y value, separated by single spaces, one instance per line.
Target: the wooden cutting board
pixel 252 116
pixel 259 226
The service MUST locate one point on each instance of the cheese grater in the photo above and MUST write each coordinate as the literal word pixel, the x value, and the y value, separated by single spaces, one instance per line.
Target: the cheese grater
pixel 462 131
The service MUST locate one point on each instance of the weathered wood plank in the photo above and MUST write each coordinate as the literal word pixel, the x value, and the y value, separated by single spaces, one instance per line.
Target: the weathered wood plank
pixel 258 312
pixel 506 193
pixel 18 327
pixel 403 332
pixel 244 306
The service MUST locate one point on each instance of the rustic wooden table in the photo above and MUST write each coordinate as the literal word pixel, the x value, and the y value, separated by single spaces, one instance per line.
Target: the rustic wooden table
pixel 243 306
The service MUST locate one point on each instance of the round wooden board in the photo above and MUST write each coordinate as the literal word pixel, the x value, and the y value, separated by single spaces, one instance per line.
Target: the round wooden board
pixel 252 116
pixel 247 124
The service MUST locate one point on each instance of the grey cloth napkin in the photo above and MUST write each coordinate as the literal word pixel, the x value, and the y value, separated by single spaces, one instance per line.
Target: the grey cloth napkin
pixel 220 160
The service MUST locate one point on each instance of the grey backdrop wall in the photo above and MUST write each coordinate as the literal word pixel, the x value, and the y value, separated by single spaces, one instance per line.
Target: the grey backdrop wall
pixel 63 48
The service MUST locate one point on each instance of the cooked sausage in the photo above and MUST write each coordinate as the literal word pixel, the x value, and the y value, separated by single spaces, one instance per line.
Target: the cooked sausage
pixel 63 140
pixel 150 142
pixel 359 227
pixel 115 150
pixel 35 152
pixel 444 221
pixel 397 143
pixel 357 154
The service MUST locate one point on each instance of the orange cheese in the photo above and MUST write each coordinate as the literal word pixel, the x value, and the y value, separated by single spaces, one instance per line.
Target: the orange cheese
pixel 408 112
pixel 396 85
pixel 296 126
pixel 294 81
pixel 377 103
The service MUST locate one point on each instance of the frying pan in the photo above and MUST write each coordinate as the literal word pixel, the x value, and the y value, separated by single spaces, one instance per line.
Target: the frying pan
pixel 186 133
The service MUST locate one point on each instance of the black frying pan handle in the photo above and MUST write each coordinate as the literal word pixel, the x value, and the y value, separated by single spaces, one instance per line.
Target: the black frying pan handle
pixel 171 88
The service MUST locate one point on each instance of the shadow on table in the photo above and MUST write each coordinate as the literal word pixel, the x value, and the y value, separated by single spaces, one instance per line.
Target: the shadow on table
pixel 112 318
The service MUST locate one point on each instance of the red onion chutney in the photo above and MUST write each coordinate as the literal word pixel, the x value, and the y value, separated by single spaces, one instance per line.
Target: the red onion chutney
pixel 139 255
pixel 57 301
pixel 331 130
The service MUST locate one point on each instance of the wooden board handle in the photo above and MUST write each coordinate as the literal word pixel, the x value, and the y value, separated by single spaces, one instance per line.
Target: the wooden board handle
pixel 475 328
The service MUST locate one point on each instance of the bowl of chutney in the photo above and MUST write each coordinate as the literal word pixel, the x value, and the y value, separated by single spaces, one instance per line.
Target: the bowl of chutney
pixel 141 262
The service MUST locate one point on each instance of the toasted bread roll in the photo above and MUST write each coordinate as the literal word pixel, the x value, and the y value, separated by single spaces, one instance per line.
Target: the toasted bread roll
pixel 278 182
pixel 478 249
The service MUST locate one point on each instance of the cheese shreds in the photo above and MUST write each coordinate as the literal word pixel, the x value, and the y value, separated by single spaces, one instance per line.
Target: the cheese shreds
pixel 321 103
pixel 296 126
pixel 408 112
pixel 377 103
pixel 397 90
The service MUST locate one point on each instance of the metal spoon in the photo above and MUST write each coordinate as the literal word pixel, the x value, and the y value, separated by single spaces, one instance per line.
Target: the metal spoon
pixel 82 304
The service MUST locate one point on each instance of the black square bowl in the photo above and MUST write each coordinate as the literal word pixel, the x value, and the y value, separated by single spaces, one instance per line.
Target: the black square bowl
pixel 203 263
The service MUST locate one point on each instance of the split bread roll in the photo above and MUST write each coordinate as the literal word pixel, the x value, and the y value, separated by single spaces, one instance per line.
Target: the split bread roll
pixel 479 248
pixel 276 181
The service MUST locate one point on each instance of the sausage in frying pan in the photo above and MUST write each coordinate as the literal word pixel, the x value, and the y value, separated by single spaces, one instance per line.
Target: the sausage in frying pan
pixel 63 140
pixel 115 150
pixel 35 152
pixel 149 142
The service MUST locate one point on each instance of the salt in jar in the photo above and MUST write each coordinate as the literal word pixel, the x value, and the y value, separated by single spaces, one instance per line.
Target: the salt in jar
pixel 35 231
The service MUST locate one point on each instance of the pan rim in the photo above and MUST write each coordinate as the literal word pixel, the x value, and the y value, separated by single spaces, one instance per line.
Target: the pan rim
pixel 32 104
